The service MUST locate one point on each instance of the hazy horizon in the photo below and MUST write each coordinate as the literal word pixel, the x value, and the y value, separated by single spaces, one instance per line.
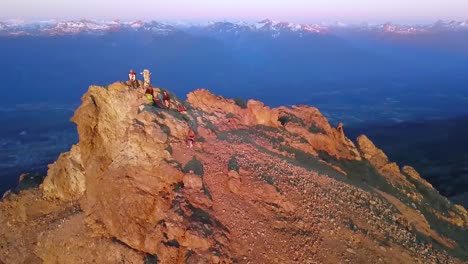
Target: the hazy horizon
pixel 230 20
pixel 300 11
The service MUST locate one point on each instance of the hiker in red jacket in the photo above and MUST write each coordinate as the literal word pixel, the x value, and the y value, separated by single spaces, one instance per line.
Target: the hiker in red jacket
pixel 181 109
pixel 166 99
pixel 190 138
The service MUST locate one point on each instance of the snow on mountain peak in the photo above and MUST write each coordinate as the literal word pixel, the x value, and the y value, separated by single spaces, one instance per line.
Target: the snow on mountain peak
pixel 136 24
pixel 17 27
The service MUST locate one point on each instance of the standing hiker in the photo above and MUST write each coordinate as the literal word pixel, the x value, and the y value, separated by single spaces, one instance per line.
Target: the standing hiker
pixel 132 78
pixel 146 77
pixel 190 138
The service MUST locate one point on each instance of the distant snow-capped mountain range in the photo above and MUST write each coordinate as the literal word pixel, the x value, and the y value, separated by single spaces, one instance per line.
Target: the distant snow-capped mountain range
pixel 54 28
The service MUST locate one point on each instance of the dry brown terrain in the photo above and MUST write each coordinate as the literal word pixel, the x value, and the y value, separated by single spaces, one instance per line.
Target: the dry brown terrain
pixel 260 185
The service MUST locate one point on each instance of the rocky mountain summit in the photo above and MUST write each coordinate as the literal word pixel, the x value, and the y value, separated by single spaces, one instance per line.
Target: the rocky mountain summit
pixel 260 185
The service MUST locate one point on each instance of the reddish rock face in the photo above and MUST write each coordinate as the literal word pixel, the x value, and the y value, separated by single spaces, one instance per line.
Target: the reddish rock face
pixel 311 125
pixel 66 180
pixel 260 185
pixel 255 113
pixel 371 153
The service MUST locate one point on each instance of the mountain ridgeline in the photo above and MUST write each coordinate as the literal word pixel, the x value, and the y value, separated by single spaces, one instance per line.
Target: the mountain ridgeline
pixel 381 69
pixel 260 185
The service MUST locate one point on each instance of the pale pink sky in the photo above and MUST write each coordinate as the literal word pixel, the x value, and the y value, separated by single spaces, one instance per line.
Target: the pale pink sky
pixel 411 11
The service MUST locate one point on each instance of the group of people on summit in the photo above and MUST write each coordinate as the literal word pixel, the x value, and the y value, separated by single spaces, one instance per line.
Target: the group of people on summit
pixel 160 99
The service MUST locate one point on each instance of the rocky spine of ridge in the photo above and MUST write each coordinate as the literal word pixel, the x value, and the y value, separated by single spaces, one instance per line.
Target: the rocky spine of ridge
pixel 261 185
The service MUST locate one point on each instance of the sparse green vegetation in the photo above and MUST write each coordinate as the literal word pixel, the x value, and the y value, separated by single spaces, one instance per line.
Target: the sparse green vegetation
pixel 271 180
pixel 160 115
pixel 194 165
pixel 268 179
pixel 350 224
pixel 175 163
pixel 193 125
pixel 432 198
pixel 172 243
pixel 363 175
pixel 169 149
pixel 434 201
pixel 230 115
pixel 151 259
pixel 188 255
pixel 197 167
pixel 178 187
pixel 199 215
pixel 316 130
pixel 176 206
pixel 177 115
pixel 187 105
pixel 302 159
pixel 29 181
pixel 210 125
pixel 233 164
pixel 240 102
pixel 192 116
pixel 163 127
pixel 287 117
pixel 207 192
pixel 223 135
pixel 311 162
pixel 216 252
pixel 206 230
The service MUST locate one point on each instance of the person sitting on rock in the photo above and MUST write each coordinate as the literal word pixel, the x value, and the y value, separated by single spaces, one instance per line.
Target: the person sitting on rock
pixel 161 98
pixel 190 138
pixel 181 109
pixel 157 102
pixel 149 93
pixel 166 99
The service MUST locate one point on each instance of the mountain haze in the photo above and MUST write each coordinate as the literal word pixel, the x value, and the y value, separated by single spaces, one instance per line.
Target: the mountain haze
pixel 397 72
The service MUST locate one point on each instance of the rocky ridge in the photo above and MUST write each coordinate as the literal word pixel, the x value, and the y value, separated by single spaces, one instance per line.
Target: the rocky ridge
pixel 261 185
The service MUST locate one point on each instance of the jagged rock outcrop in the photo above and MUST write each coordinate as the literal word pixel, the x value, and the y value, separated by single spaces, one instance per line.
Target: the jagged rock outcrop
pixel 380 161
pixel 407 179
pixel 411 172
pixel 312 126
pixel 128 179
pixel 371 153
pixel 260 185
pixel 255 113
pixel 66 180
